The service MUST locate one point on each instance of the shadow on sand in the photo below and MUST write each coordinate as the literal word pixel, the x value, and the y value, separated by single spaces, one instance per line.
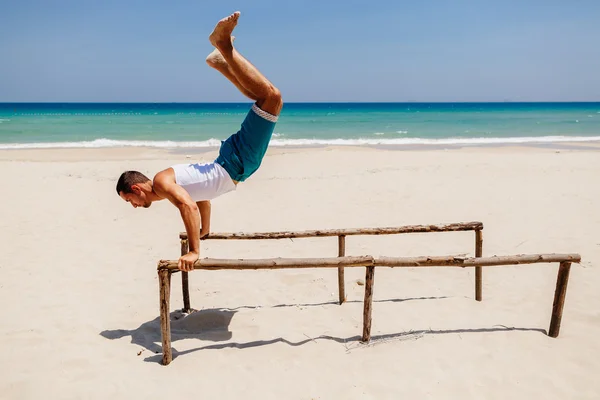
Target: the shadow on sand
pixel 212 325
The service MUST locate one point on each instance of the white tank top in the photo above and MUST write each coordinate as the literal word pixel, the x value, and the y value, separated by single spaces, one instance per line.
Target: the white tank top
pixel 203 181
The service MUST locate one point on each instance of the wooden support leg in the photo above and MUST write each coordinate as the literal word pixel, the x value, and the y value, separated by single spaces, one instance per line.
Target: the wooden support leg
pixel 559 298
pixel 368 306
pixel 341 253
pixel 478 270
pixel 164 279
pixel 185 287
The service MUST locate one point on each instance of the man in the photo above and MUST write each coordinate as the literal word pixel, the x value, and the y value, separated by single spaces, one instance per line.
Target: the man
pixel 190 187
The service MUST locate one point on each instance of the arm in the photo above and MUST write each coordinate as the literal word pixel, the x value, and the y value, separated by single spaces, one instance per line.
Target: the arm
pixel 204 207
pixel 189 213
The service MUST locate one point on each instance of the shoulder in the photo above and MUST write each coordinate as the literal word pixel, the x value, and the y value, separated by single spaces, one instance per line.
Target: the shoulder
pixel 164 178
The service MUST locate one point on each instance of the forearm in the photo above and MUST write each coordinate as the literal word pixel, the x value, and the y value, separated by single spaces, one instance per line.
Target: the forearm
pixel 191 220
pixel 204 207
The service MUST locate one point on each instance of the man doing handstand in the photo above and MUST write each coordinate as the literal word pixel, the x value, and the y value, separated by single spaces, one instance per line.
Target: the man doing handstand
pixel 191 187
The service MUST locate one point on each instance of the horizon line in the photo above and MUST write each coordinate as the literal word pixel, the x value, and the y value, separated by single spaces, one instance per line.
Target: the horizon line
pixel 303 102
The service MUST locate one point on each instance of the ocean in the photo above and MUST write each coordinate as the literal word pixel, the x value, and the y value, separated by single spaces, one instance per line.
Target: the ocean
pixel 181 125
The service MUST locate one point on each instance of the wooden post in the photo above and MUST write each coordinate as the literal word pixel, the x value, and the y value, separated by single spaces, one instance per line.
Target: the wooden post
pixel 559 298
pixel 478 270
pixel 341 253
pixel 164 279
pixel 185 287
pixel 368 306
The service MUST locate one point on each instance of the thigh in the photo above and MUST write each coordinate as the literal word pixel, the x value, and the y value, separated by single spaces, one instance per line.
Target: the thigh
pixel 252 140
pixel 255 134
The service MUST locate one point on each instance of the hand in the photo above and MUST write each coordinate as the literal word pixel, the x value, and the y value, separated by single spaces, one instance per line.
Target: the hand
pixel 186 262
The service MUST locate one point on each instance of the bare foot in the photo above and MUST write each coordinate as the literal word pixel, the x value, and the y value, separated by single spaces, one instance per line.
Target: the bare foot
pixel 222 32
pixel 215 59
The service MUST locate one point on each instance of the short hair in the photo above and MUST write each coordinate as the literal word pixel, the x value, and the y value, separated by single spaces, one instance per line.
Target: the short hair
pixel 129 178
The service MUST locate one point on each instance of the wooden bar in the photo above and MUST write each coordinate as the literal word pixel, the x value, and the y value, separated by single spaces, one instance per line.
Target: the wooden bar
pixel 272 263
pixel 185 286
pixel 364 261
pixel 164 279
pixel 455 227
pixel 478 270
pixel 559 298
pixel 341 284
pixel 368 304
pixel 450 261
pixel 167 267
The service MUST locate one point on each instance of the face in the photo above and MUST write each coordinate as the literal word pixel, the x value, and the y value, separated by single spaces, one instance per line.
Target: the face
pixel 137 198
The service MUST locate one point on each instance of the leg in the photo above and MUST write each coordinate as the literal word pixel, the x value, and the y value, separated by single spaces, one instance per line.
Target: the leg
pixel 216 61
pixel 268 97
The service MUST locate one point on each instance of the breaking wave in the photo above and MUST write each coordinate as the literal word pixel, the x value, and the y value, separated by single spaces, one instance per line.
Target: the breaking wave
pixel 213 143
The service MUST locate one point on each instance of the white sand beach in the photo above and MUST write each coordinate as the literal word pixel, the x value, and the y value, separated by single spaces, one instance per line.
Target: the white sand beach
pixel 79 287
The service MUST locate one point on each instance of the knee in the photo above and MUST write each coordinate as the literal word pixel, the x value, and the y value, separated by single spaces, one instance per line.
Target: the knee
pixel 271 101
pixel 273 98
pixel 274 95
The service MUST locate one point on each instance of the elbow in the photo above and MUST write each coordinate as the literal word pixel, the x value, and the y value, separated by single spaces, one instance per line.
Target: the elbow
pixel 188 208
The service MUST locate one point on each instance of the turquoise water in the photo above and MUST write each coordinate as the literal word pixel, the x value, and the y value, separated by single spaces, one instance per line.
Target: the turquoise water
pixel 43 125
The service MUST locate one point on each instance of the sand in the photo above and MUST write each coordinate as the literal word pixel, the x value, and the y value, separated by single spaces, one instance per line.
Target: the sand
pixel 79 288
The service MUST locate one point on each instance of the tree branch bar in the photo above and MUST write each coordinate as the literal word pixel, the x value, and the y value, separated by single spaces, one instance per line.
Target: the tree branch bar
pixel 167 267
pixel 364 261
pixel 464 226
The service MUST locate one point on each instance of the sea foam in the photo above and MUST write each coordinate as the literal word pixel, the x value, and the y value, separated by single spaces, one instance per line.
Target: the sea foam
pixel 214 143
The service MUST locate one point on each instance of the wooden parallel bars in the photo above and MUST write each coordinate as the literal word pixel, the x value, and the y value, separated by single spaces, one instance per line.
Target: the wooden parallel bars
pixel 167 267
pixel 341 234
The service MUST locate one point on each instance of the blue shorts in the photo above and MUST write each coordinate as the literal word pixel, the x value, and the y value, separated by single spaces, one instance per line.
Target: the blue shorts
pixel 242 153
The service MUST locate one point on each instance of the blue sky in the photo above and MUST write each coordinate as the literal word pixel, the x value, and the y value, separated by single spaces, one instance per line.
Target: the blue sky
pixel 372 50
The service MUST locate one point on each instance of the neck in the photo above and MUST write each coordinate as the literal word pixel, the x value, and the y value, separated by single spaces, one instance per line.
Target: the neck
pixel 150 194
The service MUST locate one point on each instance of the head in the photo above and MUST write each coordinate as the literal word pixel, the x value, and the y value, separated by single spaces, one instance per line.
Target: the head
pixel 134 187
